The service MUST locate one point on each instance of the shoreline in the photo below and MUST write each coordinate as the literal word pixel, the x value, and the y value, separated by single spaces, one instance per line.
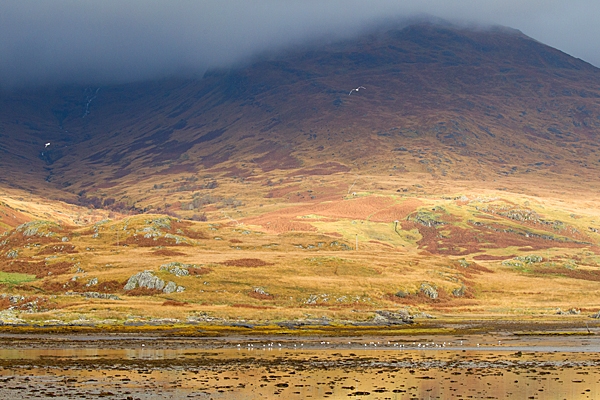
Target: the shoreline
pixel 432 327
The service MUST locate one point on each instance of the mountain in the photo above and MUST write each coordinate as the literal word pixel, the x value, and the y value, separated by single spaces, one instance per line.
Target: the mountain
pixel 470 152
pixel 484 101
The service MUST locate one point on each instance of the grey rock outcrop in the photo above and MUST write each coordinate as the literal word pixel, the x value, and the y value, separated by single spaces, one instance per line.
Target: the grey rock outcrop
pixel 12 254
pixel 459 292
pixel 171 287
pixel 572 311
pixel 145 279
pixel 148 280
pixel 429 290
pixel 392 318
pixel 92 282
pixel 38 228
pixel 177 269
pixel 94 295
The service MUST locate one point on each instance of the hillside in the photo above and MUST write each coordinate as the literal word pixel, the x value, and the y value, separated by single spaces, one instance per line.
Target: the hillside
pixel 459 179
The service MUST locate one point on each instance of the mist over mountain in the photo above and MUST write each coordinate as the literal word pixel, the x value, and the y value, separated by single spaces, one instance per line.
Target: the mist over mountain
pixel 99 43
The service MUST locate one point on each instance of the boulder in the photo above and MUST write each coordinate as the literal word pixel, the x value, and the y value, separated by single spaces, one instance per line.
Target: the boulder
pixel 145 279
pixel 177 269
pixel 92 282
pixel 429 290
pixel 572 311
pixel 392 318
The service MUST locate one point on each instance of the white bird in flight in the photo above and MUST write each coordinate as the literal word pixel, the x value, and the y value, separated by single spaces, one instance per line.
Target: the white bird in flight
pixel 356 90
pixel 46 145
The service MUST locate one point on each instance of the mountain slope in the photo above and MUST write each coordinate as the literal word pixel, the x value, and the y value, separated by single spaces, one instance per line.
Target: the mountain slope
pixel 487 103
pixel 466 163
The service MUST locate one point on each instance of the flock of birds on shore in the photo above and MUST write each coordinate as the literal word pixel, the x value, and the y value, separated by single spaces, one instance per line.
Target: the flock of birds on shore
pixel 356 345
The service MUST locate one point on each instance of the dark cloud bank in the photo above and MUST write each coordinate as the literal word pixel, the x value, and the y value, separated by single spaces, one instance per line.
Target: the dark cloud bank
pixel 111 41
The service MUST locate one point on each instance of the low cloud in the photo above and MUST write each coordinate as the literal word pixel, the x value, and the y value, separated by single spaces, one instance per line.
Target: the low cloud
pixel 111 41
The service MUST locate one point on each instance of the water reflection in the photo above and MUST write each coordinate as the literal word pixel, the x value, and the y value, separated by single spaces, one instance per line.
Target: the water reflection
pixel 283 368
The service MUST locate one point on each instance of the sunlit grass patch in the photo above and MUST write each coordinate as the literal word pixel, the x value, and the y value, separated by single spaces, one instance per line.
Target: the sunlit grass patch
pixel 367 231
pixel 339 266
pixel 15 278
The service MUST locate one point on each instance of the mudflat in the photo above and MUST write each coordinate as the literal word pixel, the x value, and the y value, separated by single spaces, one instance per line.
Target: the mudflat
pixel 563 365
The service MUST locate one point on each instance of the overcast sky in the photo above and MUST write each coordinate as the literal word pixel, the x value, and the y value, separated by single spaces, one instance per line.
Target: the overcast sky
pixel 101 41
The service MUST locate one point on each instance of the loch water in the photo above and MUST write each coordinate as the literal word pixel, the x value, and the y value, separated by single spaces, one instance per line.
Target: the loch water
pixel 436 367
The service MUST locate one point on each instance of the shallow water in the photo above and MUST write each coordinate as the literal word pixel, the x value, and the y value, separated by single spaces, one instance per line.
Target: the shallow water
pixel 474 367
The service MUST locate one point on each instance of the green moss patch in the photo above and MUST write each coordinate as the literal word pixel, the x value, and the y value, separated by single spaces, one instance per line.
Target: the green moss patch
pixel 15 278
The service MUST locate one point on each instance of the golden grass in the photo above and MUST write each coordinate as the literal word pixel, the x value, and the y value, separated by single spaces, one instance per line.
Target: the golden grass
pixel 315 274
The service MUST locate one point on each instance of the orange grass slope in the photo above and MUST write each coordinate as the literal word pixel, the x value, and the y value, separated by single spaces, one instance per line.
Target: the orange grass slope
pixel 466 255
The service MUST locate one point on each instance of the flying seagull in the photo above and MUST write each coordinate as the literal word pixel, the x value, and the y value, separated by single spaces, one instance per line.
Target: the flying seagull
pixel 356 90
pixel 46 145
